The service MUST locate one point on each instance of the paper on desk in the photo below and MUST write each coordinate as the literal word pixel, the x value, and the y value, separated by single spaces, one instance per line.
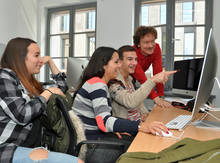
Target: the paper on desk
pixel 178 99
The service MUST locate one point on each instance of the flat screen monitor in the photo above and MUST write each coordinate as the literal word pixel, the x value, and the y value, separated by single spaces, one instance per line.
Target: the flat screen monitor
pixel 75 68
pixel 186 80
pixel 207 77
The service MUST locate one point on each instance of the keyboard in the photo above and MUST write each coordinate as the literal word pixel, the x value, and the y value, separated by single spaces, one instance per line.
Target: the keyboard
pixel 179 122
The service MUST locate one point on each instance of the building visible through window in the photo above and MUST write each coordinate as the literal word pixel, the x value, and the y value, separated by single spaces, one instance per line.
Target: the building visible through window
pixel 71 32
pixel 182 26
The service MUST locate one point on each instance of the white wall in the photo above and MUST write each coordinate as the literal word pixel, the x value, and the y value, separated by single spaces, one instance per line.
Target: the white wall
pixel 114 22
pixel 2 48
pixel 216 29
pixel 18 19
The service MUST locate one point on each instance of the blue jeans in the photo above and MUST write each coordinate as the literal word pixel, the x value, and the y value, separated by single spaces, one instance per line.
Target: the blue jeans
pixel 21 155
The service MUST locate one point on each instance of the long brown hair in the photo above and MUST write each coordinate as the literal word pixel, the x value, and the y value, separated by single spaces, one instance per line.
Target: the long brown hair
pixel 95 67
pixel 14 58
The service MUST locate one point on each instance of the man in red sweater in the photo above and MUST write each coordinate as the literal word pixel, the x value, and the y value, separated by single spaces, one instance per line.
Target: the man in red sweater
pixel 149 52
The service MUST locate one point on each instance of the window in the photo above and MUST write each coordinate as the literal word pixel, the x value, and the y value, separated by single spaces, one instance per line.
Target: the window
pixel 188 44
pixel 163 14
pixel 184 29
pixel 154 14
pixel 71 32
pixel 187 12
pixel 189 29
pixel 144 15
pixel 90 20
pixel 83 31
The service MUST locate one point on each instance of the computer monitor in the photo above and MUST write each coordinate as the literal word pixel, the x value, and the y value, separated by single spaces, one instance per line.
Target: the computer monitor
pixel 186 80
pixel 75 67
pixel 207 77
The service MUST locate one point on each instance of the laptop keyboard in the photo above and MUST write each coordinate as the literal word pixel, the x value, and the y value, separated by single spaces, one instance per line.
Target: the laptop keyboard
pixel 179 122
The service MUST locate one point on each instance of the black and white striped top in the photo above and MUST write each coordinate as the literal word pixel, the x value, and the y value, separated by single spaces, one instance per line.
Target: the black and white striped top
pixel 92 104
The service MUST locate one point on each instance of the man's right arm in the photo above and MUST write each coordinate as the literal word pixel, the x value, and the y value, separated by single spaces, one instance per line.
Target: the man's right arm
pixel 131 100
pixel 139 74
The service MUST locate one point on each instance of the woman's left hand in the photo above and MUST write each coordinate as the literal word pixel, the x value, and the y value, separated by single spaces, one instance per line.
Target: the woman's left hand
pixel 122 133
pixel 143 117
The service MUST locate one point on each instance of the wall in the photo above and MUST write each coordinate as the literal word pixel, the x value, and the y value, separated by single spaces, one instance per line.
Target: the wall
pixel 2 47
pixel 114 25
pixel 114 22
pixel 216 29
pixel 18 18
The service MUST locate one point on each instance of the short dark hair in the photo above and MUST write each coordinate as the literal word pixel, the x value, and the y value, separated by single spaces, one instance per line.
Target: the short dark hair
pixel 141 31
pixel 125 48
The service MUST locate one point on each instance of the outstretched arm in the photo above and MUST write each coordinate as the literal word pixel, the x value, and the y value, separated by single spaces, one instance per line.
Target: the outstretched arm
pixel 133 99
pixel 162 77
pixel 141 77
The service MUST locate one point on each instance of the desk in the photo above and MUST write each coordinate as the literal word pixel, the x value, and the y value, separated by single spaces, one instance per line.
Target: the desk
pixel 150 143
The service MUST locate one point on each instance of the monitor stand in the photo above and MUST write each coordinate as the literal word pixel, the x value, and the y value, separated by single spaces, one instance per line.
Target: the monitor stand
pixel 210 124
pixel 207 124
pixel 216 79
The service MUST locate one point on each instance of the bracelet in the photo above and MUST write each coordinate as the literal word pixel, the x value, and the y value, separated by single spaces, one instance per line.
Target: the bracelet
pixel 48 91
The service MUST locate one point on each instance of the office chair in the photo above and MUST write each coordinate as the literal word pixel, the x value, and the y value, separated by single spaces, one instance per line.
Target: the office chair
pixel 78 150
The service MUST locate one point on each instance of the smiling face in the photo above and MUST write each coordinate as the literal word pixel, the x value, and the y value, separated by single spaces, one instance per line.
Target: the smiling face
pixel 147 44
pixel 33 59
pixel 111 69
pixel 129 62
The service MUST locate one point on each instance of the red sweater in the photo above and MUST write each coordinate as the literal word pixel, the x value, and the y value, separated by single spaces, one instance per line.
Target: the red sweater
pixel 144 63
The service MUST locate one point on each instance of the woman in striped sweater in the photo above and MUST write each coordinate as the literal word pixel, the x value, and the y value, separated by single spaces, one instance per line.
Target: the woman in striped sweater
pixel 92 100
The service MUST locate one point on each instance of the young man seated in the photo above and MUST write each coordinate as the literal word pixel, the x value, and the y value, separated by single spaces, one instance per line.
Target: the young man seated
pixel 127 102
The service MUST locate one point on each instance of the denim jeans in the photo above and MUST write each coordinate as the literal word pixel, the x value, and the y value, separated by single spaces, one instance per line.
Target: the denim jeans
pixel 21 155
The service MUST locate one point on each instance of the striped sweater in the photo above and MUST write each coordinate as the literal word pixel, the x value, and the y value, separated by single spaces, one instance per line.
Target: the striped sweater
pixel 92 104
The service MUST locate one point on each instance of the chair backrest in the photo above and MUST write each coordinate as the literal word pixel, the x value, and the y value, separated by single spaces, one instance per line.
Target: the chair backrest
pixel 75 127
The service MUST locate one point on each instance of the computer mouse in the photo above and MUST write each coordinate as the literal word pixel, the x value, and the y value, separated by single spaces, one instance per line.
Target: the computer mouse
pixel 165 134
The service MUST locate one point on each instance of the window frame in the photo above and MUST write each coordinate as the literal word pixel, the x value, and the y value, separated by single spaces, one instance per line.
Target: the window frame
pixel 170 28
pixel 72 10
